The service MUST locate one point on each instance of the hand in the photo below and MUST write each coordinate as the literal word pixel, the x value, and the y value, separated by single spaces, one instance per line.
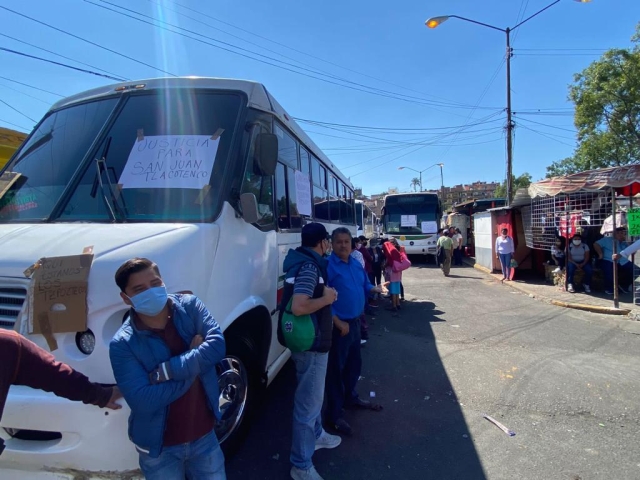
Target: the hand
pixel 616 256
pixel 330 295
pixel 115 395
pixel 196 342
pixel 342 326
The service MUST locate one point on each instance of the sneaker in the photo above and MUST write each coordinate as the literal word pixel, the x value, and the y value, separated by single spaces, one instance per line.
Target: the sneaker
pixel 570 288
pixel 587 289
pixel 363 342
pixel 341 426
pixel 299 474
pixel 326 440
pixel 557 270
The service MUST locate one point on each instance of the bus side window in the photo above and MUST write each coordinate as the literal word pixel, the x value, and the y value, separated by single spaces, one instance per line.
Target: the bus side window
pixel 261 186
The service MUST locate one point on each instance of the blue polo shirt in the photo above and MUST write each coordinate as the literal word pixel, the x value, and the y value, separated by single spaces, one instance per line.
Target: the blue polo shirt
pixel 352 284
pixel 606 243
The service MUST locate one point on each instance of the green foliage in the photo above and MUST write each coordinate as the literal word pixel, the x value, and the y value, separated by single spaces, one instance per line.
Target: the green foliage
pixel 415 183
pixel 607 112
pixel 523 181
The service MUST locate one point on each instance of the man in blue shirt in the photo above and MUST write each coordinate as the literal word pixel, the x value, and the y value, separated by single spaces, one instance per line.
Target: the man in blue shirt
pixel 350 280
pixel 604 249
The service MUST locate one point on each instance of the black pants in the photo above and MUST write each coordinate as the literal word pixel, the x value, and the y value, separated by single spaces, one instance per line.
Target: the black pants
pixel 343 370
pixel 401 290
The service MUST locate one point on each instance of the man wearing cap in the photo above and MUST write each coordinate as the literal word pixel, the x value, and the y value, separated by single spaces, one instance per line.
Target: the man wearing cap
pixel 306 285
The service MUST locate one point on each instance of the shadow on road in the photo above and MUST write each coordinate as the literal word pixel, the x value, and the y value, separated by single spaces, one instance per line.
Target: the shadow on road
pixel 421 433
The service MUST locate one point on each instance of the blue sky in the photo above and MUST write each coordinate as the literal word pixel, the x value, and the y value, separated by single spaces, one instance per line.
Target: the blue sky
pixel 449 83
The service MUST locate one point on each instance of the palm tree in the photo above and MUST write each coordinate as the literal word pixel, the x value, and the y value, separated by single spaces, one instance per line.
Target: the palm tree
pixel 415 183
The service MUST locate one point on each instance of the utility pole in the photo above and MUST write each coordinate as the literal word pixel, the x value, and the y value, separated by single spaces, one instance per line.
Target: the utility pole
pixel 509 123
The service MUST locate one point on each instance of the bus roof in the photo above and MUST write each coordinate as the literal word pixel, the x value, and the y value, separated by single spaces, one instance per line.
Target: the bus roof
pixel 406 194
pixel 258 95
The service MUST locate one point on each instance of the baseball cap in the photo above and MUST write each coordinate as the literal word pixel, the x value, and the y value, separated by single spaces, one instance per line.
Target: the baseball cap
pixel 312 233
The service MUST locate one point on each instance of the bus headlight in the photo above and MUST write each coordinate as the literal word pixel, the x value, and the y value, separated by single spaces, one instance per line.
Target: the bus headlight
pixel 86 342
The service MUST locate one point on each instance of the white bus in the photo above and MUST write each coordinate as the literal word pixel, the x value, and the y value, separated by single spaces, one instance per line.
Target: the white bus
pixel 367 222
pixel 102 169
pixel 413 219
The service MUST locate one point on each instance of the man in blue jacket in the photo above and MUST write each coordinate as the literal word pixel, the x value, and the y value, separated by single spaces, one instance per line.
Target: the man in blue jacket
pixel 350 280
pixel 163 358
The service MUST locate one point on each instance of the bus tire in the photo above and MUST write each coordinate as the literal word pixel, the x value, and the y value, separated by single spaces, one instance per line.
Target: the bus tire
pixel 240 389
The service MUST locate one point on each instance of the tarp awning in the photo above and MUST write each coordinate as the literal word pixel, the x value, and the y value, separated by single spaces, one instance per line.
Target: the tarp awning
pixel 625 179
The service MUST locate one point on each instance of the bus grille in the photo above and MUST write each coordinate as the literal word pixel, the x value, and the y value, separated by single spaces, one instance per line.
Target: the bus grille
pixel 11 300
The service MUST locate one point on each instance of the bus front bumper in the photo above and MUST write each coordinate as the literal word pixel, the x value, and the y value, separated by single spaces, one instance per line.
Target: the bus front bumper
pixel 50 437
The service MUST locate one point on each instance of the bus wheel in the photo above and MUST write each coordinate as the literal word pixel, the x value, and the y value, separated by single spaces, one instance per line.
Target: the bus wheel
pixel 239 386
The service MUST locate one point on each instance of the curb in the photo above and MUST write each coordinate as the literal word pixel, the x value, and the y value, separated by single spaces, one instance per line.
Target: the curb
pixel 559 303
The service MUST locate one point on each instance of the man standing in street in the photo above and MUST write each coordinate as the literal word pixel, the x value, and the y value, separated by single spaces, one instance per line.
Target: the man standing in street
pixel 22 362
pixel 350 280
pixel 306 286
pixel 164 358
pixel 445 245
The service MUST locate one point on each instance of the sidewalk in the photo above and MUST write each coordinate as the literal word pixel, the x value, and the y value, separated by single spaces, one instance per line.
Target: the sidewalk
pixel 534 286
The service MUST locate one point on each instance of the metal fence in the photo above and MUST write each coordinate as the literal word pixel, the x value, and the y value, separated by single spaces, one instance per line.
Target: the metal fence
pixel 564 215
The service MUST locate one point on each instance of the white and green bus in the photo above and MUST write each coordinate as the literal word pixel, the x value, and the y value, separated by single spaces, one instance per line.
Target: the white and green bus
pixel 413 219
pixel 211 179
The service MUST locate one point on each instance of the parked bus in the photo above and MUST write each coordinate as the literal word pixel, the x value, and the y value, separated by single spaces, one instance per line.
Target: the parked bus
pixel 413 219
pixel 211 179
pixel 366 221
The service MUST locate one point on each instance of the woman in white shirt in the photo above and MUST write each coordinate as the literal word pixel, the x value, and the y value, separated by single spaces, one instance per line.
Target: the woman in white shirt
pixel 504 251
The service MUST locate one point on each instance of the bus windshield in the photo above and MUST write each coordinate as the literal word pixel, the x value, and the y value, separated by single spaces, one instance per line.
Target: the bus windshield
pixel 162 153
pixel 411 215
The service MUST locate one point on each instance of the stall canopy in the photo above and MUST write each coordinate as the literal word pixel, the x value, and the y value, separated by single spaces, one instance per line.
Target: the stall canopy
pixel 625 180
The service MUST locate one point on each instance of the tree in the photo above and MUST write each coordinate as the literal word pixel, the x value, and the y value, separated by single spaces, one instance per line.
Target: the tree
pixel 415 183
pixel 523 181
pixel 607 112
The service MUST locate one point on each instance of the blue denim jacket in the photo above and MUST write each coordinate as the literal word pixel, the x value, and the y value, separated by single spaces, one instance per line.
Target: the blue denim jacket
pixel 136 353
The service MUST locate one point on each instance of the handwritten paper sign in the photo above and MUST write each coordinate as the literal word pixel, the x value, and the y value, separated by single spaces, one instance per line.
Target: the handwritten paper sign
pixel 633 222
pixel 170 161
pixel 408 220
pixel 303 193
pixel 60 294
pixel 429 227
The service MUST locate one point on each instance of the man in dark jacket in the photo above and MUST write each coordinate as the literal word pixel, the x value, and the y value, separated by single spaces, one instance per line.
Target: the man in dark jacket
pixel 306 283
pixel 22 362
pixel 164 359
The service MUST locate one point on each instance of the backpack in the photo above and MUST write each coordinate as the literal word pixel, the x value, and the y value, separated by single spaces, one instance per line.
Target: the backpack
pixel 301 333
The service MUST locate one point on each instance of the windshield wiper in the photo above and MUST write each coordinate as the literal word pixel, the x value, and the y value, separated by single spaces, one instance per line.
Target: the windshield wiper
pixel 101 165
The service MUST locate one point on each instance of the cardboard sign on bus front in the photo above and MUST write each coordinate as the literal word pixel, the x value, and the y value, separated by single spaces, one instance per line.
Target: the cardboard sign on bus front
pixel 60 294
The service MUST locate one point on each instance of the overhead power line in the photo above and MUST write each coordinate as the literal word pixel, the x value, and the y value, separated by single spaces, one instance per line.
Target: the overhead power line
pixel 86 41
pixel 14 125
pixel 31 86
pixel 60 55
pixel 98 74
pixel 18 111
pixel 265 59
pixel 288 47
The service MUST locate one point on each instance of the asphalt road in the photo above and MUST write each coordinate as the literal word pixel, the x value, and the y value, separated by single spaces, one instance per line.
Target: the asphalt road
pixel 567 382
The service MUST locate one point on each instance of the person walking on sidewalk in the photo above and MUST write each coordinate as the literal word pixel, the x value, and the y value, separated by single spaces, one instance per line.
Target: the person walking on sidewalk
pixel 445 247
pixel 457 247
pixel 579 259
pixel 349 279
pixel 306 286
pixel 504 252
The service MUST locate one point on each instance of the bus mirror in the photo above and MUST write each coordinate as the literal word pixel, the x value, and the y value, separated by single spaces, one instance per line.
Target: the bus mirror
pixel 266 155
pixel 249 206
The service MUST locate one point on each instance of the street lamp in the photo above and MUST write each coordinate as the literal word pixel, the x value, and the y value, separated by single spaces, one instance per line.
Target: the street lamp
pixel 434 22
pixel 420 173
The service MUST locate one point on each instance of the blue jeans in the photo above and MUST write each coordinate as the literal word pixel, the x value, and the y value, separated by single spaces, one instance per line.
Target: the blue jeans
pixel 343 370
pixel 588 272
pixel 311 371
pixel 199 460
pixel 505 262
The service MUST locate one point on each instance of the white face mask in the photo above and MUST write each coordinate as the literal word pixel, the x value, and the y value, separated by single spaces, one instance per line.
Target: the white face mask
pixel 577 242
